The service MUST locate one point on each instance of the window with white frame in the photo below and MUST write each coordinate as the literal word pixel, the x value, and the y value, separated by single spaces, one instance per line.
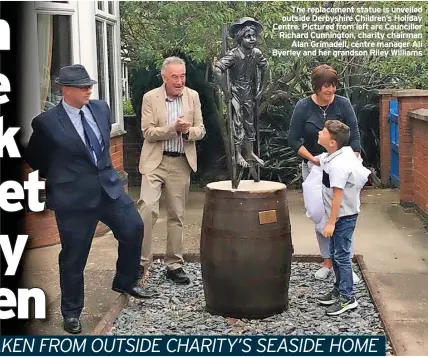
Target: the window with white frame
pixel 108 64
pixel 125 81
pixel 54 35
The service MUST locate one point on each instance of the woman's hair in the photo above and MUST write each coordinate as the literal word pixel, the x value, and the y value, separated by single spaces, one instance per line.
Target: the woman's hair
pixel 323 74
pixel 339 132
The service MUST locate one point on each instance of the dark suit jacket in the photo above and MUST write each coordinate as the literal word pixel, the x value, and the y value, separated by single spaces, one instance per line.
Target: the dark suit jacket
pixel 73 181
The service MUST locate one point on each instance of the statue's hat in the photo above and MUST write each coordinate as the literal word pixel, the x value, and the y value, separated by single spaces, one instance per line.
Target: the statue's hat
pixel 243 22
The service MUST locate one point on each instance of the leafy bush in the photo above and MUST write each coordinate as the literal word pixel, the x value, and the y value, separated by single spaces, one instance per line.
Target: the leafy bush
pixel 281 161
pixel 127 107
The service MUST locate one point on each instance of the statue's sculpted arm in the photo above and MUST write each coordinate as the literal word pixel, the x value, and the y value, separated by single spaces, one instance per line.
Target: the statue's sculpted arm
pixel 224 63
pixel 263 65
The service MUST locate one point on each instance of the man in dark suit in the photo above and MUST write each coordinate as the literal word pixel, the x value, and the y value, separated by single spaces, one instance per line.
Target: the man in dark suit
pixel 70 147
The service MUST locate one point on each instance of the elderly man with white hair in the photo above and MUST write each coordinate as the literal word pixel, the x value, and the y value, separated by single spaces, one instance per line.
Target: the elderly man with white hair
pixel 171 122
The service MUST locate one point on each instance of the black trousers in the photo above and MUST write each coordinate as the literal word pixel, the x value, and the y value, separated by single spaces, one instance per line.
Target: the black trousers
pixel 76 230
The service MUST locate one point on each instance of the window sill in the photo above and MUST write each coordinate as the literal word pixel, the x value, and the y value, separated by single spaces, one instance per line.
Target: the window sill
pixel 117 132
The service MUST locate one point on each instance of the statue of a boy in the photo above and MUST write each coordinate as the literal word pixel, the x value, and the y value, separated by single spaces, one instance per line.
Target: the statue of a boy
pixel 242 62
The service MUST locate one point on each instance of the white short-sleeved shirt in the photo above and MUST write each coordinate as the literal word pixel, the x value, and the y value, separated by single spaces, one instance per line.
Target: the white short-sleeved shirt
pixel 343 170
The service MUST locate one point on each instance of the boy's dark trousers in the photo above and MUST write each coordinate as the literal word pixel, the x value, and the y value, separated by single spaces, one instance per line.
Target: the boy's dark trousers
pixel 340 253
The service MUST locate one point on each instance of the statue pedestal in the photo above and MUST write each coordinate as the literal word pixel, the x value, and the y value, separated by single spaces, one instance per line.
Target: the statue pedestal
pixel 246 249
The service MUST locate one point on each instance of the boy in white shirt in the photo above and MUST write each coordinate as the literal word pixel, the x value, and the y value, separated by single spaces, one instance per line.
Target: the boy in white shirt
pixel 343 178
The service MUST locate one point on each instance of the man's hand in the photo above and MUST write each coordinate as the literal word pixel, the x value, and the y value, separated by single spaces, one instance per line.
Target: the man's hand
pixel 328 230
pixel 181 125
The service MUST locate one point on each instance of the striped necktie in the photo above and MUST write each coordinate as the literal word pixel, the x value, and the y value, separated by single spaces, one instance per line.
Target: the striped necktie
pixel 91 139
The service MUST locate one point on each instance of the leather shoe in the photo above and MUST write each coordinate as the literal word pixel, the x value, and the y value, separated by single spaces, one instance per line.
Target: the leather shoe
pixel 140 272
pixel 177 276
pixel 137 292
pixel 72 325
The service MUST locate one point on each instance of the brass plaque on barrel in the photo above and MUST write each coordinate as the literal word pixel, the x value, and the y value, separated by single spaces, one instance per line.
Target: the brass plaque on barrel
pixel 266 217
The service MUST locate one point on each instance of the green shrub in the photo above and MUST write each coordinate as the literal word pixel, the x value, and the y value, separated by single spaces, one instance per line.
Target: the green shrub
pixel 127 107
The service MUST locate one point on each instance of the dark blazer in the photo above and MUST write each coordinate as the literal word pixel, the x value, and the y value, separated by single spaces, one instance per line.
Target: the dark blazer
pixel 73 181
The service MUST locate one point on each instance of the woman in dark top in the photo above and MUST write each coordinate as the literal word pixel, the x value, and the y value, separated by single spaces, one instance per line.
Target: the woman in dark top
pixel 308 119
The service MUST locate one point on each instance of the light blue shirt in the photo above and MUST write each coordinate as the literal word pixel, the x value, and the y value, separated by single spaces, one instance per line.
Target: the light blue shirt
pixel 74 115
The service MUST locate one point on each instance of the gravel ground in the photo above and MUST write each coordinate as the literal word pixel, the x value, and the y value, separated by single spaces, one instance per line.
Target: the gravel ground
pixel 180 310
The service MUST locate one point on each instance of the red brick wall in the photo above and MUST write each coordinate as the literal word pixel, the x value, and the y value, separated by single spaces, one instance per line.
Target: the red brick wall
pixel 420 163
pixel 406 104
pixel 41 226
pixel 413 147
pixel 116 152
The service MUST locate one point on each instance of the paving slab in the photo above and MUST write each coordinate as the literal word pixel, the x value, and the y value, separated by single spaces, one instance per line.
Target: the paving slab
pixel 406 294
pixel 412 337
pixel 41 270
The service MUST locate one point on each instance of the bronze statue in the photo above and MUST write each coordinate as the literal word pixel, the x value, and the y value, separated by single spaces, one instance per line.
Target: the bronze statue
pixel 241 64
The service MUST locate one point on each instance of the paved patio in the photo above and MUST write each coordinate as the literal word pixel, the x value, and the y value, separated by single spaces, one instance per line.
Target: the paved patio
pixel 392 240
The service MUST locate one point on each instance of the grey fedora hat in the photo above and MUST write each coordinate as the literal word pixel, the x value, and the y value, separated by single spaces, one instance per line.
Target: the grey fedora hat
pixel 74 76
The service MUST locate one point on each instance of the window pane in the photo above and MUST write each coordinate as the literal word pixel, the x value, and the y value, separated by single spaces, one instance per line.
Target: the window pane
pixel 125 95
pixel 100 5
pixel 111 7
pixel 54 50
pixel 111 75
pixel 100 59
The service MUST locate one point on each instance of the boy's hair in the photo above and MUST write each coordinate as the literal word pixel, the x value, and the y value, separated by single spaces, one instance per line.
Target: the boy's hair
pixel 241 33
pixel 339 132
pixel 323 74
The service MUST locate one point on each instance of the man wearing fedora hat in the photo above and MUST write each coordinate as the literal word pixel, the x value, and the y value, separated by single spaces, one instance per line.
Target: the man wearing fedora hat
pixel 70 147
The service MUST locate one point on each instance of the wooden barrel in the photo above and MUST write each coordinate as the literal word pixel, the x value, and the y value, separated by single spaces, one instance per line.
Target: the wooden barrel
pixel 246 249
